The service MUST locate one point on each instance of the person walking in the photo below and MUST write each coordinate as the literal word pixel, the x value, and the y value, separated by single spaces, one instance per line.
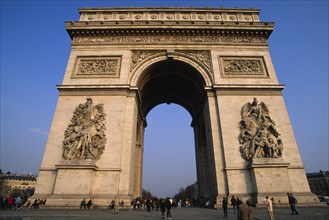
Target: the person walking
pixel 293 204
pixel 269 207
pixel 234 203
pixel 18 202
pixel 224 205
pixel 162 208
pixel 168 207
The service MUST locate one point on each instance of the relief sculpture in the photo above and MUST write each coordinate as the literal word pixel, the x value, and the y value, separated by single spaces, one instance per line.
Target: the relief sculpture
pixel 98 66
pixel 244 66
pixel 85 135
pixel 258 135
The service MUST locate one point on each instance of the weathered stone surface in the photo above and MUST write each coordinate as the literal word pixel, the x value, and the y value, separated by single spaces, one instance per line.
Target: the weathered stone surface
pixel 210 61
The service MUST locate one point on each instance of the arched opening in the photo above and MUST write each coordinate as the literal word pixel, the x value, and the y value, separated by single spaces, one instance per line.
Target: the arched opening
pixel 168 151
pixel 173 81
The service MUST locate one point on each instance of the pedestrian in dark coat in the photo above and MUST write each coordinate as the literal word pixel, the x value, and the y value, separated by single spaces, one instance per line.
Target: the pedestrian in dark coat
pixel 162 208
pixel 293 204
pixel 224 205
pixel 168 207
pixel 233 203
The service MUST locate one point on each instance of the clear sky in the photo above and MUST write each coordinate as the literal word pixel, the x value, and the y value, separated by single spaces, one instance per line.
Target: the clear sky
pixel 35 49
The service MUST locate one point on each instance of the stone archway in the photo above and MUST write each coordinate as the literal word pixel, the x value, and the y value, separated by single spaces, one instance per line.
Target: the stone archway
pixel 174 81
pixel 214 62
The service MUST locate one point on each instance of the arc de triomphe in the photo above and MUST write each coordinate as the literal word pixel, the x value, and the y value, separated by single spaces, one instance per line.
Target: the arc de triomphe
pixel 214 62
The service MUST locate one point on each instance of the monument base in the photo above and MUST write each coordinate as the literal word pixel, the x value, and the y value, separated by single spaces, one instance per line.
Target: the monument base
pixel 98 201
pixel 276 170
pixel 75 181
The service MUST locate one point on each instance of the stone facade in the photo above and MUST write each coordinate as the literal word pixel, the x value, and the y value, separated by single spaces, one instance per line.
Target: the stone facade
pixel 211 61
pixel 22 185
pixel 319 183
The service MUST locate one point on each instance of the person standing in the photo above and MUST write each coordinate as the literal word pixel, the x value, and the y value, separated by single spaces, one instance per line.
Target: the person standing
pixel 269 207
pixel 224 205
pixel 116 198
pixel 248 203
pixel 233 203
pixel 148 205
pixel 242 211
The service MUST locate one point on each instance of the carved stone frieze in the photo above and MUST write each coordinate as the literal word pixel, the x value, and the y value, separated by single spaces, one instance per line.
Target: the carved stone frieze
pixel 203 56
pixel 84 137
pixel 140 55
pixel 163 39
pixel 97 67
pixel 243 67
pixel 258 135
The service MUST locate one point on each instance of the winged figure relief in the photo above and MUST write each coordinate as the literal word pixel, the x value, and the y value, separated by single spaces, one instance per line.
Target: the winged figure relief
pixel 258 136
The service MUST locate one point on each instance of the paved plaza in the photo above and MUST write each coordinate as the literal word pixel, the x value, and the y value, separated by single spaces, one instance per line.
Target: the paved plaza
pixel 281 213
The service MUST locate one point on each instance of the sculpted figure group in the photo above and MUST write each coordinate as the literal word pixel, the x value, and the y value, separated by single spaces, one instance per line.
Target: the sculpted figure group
pixel 258 135
pixel 85 136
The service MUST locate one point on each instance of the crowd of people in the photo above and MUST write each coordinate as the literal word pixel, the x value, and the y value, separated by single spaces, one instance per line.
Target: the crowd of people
pixel 242 209
pixel 164 205
pixel 17 202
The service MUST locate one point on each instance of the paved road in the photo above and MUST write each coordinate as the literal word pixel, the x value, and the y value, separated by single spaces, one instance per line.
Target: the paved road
pixel 306 213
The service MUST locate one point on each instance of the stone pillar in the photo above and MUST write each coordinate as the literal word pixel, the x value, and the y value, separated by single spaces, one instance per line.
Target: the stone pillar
pixel 218 159
pixel 129 151
pixel 139 159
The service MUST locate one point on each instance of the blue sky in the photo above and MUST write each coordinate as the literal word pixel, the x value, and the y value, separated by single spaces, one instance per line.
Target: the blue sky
pixel 35 49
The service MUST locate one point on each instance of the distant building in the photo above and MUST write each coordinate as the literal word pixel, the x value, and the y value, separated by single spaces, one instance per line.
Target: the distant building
pixel 17 184
pixel 319 182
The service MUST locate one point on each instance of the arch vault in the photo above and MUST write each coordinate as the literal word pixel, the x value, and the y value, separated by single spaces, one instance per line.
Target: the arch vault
pixel 214 62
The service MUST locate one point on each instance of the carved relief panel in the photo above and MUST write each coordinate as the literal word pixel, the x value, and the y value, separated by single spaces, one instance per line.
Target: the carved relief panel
pixel 243 67
pixel 97 67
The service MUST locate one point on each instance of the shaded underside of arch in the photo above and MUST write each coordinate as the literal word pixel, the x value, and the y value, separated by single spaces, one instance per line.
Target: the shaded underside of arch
pixel 171 81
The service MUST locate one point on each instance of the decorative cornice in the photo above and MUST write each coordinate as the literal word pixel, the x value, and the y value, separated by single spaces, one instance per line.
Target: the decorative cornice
pixel 169 25
pixel 95 90
pixel 169 14
pixel 231 89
